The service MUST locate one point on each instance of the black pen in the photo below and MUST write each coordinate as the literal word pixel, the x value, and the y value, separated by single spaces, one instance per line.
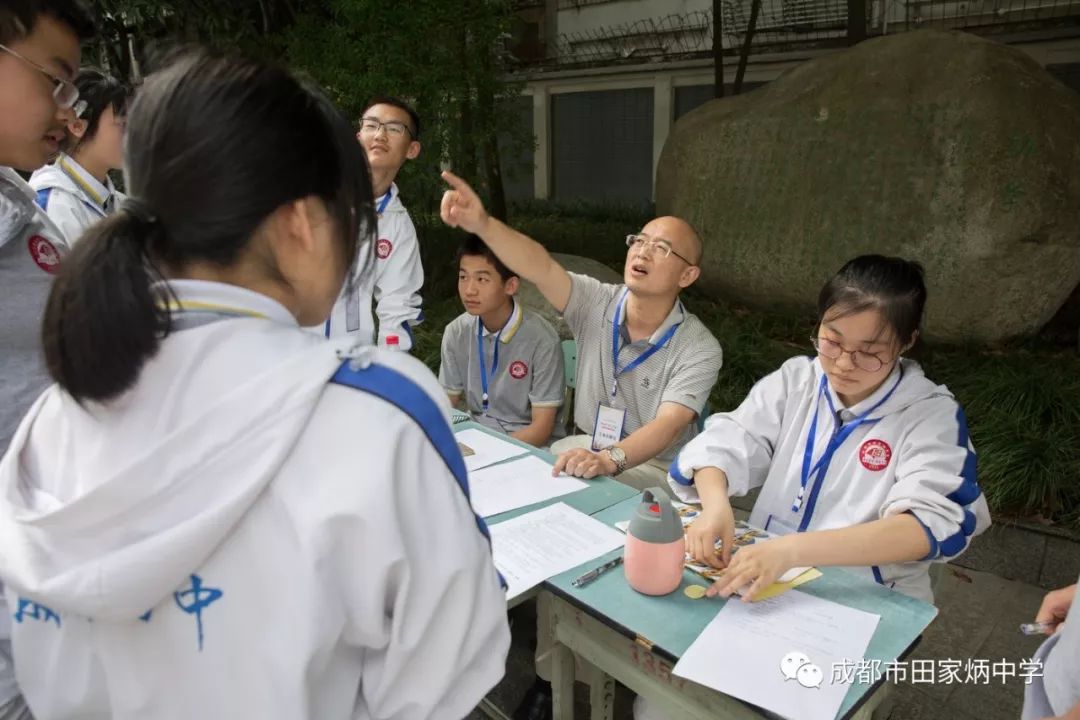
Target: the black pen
pixel 593 574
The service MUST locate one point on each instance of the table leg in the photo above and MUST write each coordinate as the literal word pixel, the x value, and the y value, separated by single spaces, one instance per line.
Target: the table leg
pixel 562 663
pixel 601 693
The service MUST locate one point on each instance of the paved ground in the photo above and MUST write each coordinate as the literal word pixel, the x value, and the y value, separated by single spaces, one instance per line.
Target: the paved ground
pixel 980 615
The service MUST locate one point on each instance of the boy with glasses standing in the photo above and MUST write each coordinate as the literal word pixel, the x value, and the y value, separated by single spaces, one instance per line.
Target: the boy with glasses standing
pixel 389 283
pixel 39 56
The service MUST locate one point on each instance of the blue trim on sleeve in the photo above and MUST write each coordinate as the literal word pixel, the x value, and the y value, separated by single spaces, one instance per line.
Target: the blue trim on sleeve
pixel 877 574
pixel 407 396
pixel 969 490
pixel 935 550
pixel 677 475
pixel 408 331
pixel 955 543
pixel 42 198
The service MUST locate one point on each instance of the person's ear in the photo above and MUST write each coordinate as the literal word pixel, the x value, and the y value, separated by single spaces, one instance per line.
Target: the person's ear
pixel 911 343
pixel 512 285
pixel 414 150
pixel 689 276
pixel 78 128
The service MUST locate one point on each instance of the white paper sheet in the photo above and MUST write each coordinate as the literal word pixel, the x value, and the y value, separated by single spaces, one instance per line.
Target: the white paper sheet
pixel 515 484
pixel 779 653
pixel 485 449
pixel 533 547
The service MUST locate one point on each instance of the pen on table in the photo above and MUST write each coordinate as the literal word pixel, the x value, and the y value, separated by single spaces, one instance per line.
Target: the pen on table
pixel 593 574
pixel 1037 628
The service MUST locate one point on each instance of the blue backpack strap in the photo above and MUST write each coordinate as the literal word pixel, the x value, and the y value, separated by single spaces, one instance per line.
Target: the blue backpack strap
pixel 407 396
pixel 42 198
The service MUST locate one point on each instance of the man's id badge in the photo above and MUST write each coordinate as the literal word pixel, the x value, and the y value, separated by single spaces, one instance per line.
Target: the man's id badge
pixel 608 428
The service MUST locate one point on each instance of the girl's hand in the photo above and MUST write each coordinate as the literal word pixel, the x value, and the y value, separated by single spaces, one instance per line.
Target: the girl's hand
pixel 713 523
pixel 757 566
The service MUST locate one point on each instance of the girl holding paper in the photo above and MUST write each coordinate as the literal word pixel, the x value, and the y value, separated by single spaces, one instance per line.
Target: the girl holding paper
pixel 862 461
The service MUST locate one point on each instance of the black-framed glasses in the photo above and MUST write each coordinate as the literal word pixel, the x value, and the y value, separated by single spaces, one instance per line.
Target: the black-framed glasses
pixel 372 125
pixel 865 361
pixel 649 245
pixel 65 93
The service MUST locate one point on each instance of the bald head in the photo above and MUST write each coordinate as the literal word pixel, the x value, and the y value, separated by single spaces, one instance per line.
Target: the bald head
pixel 681 234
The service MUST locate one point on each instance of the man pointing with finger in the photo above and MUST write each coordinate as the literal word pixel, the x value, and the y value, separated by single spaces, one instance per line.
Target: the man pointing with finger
pixel 645 364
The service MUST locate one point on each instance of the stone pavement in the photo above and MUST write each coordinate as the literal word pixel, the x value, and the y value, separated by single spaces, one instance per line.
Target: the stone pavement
pixel 980 616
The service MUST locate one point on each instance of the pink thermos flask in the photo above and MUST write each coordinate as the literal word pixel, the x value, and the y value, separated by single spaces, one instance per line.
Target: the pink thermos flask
pixel 655 546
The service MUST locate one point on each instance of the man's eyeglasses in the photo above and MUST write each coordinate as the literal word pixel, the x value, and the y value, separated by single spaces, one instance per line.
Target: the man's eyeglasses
pixel 649 245
pixel 64 93
pixel 833 350
pixel 372 125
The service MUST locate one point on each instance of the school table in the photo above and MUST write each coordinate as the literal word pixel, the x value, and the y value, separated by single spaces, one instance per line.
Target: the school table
pixel 601 493
pixel 637 639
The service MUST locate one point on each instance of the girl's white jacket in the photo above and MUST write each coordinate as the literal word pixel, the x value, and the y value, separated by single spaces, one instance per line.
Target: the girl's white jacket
pixel 912 455
pixel 238 537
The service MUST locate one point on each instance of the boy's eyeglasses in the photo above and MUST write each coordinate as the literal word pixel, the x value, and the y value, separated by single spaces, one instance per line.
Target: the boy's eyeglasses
pixel 649 244
pixel 65 93
pixel 372 126
pixel 833 350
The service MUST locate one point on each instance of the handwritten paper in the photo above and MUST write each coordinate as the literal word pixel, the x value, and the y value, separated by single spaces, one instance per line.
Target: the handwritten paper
pixel 533 547
pixel 482 449
pixel 511 485
pixel 779 654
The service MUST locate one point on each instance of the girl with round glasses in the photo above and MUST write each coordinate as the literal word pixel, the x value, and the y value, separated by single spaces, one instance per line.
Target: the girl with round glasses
pixel 862 461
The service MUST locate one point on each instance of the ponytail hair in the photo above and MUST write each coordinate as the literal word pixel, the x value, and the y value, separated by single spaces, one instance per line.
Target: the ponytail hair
pixel 102 321
pixel 216 143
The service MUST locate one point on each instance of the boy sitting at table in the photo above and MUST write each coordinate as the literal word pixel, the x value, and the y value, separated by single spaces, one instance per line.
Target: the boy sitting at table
pixel 500 362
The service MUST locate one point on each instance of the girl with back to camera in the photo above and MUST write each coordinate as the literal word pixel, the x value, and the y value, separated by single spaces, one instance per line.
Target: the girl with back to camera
pixel 214 513
pixel 862 461
pixel 76 190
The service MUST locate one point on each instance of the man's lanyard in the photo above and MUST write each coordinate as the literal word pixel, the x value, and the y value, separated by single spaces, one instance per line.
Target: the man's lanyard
pixel 652 350
pixel 494 359
pixel 821 467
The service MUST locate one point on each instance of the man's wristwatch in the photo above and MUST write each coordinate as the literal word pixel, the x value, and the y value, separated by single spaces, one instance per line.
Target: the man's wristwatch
pixel 618 457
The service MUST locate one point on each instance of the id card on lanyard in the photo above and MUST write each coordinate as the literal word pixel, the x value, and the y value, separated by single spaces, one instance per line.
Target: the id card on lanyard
pixel 610 421
pixel 483 364
pixel 818 470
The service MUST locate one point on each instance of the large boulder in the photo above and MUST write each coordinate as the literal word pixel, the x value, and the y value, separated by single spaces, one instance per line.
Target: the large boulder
pixel 531 298
pixel 942 147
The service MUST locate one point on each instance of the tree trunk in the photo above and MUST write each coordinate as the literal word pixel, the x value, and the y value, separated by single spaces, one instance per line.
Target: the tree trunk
pixel 856 21
pixel 744 56
pixel 718 48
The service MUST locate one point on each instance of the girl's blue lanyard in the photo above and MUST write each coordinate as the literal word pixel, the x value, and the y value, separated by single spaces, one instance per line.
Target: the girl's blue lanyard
pixel 653 349
pixel 839 436
pixel 494 359
pixel 384 202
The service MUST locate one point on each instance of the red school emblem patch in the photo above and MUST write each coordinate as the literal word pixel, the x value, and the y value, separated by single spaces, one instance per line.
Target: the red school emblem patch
pixel 43 253
pixel 518 370
pixel 875 455
pixel 383 248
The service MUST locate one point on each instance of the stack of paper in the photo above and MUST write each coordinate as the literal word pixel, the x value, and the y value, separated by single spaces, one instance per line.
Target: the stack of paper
pixel 481 449
pixel 533 547
pixel 781 654
pixel 508 486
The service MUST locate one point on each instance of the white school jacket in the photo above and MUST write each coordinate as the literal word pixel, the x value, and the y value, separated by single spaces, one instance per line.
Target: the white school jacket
pixel 912 455
pixel 387 282
pixel 72 197
pixel 237 537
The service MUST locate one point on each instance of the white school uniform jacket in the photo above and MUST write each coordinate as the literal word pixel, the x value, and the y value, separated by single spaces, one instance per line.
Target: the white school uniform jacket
pixel 244 534
pixel 72 197
pixel 387 282
pixel 912 455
